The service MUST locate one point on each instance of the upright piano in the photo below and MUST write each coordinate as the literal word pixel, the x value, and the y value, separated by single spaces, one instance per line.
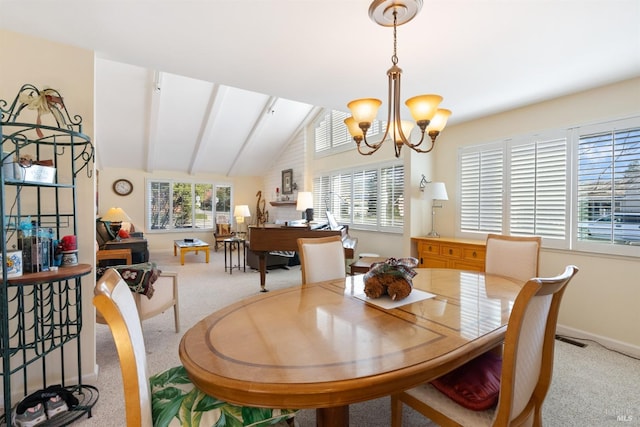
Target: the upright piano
pixel 274 237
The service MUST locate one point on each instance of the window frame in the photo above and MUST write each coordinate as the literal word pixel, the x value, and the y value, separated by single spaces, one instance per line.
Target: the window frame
pixel 171 228
pixel 570 240
pixel 335 118
pixel 323 193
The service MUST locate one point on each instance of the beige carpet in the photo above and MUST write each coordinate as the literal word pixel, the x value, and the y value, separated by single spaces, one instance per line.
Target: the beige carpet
pixel 591 386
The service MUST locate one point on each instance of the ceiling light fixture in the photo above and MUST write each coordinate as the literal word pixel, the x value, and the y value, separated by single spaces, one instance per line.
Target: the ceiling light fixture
pixel 424 108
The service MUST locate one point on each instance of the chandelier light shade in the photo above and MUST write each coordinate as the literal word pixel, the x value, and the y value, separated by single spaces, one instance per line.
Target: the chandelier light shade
pixel 424 109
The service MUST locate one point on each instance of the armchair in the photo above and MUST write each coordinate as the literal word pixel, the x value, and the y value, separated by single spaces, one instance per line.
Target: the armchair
pixel 164 286
pixel 220 233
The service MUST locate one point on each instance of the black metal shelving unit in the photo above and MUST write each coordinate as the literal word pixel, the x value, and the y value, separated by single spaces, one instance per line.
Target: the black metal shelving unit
pixel 41 313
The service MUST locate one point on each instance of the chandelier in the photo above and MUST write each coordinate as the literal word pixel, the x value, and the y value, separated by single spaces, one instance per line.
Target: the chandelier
pixel 424 108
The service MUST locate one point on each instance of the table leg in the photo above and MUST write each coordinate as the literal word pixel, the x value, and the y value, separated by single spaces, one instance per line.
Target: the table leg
pixel 182 251
pixel 207 254
pixel 174 249
pixel 337 416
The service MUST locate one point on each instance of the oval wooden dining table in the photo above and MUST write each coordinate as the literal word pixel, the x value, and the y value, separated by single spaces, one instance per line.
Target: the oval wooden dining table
pixel 326 345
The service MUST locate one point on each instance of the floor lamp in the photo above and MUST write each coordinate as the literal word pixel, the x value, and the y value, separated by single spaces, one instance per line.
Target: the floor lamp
pixel 436 191
pixel 241 212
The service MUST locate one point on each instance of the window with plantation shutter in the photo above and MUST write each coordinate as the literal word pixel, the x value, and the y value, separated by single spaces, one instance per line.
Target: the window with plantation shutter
pixel 481 189
pixel 522 193
pixel 538 188
pixel 331 134
pixel 365 197
pixel 577 188
pixel 392 196
pixel 340 200
pixel 608 196
pixel 370 198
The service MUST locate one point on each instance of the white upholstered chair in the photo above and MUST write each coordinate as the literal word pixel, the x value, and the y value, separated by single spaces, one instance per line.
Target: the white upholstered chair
pixel 166 397
pixel 513 256
pixel 526 367
pixel 165 295
pixel 321 258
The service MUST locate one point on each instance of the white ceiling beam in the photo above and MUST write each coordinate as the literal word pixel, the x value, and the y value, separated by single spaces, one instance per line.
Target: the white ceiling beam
pixel 211 115
pixel 151 131
pixel 268 107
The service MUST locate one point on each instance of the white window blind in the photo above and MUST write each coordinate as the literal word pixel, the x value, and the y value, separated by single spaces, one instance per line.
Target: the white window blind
pixel 481 190
pixel 538 188
pixel 340 199
pixel 371 198
pixel 392 196
pixel 365 197
pixel 331 132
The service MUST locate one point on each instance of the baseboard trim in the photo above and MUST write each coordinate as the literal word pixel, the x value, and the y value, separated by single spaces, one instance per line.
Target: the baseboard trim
pixel 612 344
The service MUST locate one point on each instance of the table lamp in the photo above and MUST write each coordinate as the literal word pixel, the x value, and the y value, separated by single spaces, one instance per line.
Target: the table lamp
pixel 436 191
pixel 240 212
pixel 305 203
pixel 116 216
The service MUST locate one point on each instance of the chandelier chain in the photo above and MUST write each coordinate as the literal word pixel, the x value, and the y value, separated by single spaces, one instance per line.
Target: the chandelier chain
pixel 394 58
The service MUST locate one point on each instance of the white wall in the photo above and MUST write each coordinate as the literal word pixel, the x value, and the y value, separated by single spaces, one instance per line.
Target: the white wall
pixel 292 158
pixel 602 300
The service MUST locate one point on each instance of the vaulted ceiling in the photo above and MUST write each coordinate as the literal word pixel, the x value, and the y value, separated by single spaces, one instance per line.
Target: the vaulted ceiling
pixel 224 86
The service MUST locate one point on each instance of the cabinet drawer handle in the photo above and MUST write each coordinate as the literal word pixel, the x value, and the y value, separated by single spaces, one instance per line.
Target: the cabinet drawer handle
pixel 475 254
pixel 450 251
pixel 430 249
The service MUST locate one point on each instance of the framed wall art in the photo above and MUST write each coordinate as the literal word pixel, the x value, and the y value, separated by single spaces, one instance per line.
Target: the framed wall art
pixel 287 181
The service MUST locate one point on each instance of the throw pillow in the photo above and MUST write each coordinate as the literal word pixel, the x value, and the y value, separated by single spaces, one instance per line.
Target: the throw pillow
pixel 474 385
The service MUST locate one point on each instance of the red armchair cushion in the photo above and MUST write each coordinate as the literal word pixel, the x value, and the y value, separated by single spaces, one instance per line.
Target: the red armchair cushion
pixel 475 385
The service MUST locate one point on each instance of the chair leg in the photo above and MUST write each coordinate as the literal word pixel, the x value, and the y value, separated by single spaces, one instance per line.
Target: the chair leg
pixel 396 411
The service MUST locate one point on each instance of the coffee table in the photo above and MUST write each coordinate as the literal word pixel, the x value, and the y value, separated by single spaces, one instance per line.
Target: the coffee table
pixel 192 245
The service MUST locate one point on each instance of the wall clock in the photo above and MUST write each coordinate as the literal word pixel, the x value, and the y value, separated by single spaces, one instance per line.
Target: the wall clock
pixel 122 187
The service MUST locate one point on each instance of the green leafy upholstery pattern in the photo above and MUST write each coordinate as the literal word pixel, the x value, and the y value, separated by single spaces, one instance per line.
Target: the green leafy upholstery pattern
pixel 175 401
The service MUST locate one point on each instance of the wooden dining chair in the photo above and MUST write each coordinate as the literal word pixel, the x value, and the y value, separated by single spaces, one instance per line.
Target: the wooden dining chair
pixel 513 256
pixel 522 377
pixel 321 258
pixel 165 398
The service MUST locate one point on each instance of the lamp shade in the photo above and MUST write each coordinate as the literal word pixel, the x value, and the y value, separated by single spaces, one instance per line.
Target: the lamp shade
pixel 353 128
pixel 406 126
pixel 423 107
pixel 439 191
pixel 305 201
pixel 240 212
pixel 115 214
pixel 439 120
pixel 364 110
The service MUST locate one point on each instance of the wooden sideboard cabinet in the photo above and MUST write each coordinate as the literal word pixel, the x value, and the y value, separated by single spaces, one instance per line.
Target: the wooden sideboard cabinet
pixel 449 252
